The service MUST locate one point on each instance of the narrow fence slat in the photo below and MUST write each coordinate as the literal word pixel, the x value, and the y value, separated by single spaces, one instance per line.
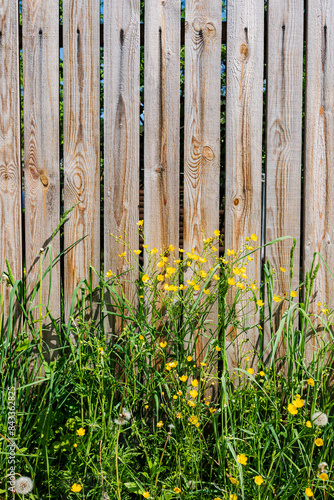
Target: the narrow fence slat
pixel 41 143
pixel 121 138
pixel 81 140
pixel 244 108
pixel 319 152
pixel 10 149
pixel 284 140
pixel 162 123
pixel 202 129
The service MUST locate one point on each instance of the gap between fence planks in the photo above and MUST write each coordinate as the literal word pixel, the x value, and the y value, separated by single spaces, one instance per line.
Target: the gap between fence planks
pixel 244 103
pixel 41 146
pixel 319 153
pixel 10 148
pixel 121 141
pixel 81 141
pixel 284 140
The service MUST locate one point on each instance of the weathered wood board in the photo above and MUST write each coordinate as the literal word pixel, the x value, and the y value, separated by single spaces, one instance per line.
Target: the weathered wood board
pixel 318 205
pixel 284 140
pixel 202 130
pixel 41 144
pixel 10 149
pixel 81 140
pixel 162 123
pixel 244 108
pixel 121 139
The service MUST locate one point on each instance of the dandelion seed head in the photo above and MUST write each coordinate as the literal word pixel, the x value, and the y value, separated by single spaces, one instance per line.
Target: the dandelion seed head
pixel 319 418
pixel 23 485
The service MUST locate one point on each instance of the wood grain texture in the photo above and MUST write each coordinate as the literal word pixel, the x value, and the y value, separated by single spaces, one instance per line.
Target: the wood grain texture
pixel 41 142
pixel 10 149
pixel 319 152
pixel 284 138
pixel 202 129
pixel 244 103
pixel 121 137
pixel 162 122
pixel 81 140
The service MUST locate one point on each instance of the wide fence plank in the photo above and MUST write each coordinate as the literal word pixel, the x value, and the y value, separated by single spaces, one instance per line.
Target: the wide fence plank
pixel 81 141
pixel 202 130
pixel 41 144
pixel 244 103
pixel 162 123
pixel 10 149
pixel 121 139
pixel 318 227
pixel 284 140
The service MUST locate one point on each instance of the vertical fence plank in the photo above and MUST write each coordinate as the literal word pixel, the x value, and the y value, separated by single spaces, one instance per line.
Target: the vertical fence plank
pixel 121 137
pixel 319 151
pixel 244 103
pixel 81 140
pixel 284 139
pixel 202 128
pixel 41 141
pixel 10 150
pixel 162 122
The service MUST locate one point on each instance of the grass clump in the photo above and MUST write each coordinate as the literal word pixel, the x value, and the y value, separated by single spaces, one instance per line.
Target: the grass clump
pixel 154 409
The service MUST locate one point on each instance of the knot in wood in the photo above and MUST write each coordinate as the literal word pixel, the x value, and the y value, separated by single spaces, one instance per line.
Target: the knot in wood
pixel 207 153
pixel 198 24
pixel 236 202
pixel 44 180
pixel 210 30
pixel 244 50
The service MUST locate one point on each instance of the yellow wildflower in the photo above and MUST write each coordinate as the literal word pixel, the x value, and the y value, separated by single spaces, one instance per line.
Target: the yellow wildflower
pixel 193 393
pixel 237 271
pixel 231 281
pixel 137 252
pixel 196 288
pixel 250 258
pixel 242 459
pixel 299 403
pixel 217 348
pixel 184 378
pixel 258 480
pixel 277 298
pixel 230 252
pixel 233 496
pixel 170 270
pixel 203 274
pixel 193 419
pixel 215 277
pixel 308 424
pixel 122 254
pixel 283 269
pixel 206 291
pixel 140 223
pixel 262 374
pixel 293 294
pixel 260 303
pixel 146 494
pixel 141 337
pixel 194 383
pixel 323 476
pixel 292 409
pixel 81 432
pixel 109 274
pixel 76 488
pixel 171 248
pixel 310 382
pixel 191 403
pixel 160 277
pixel 145 246
pixel 309 492
pixel 160 424
pixel 154 251
pixel 145 278
pixel 253 287
pixel 202 259
pixel 250 370
pixel 233 480
pixel 203 364
pixel 163 345
pixel 177 490
pixel 318 442
pixel 189 358
pixel 253 237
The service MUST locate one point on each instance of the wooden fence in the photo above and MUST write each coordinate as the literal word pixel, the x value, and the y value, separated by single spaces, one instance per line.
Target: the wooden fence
pixel 309 218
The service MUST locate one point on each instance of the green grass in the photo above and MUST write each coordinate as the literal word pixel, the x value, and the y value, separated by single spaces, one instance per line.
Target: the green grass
pixel 172 443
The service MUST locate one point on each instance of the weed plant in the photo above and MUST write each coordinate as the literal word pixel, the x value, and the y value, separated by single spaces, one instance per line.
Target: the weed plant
pixel 141 411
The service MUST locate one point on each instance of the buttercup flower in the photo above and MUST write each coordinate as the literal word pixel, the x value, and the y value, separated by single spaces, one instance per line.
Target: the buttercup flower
pixel 145 278
pixel 323 476
pixel 292 409
pixel 218 348
pixel 81 432
pixel 193 393
pixel 260 303
pixel 242 459
pixel 251 371
pixel 258 480
pixel 163 345
pixel 293 294
pixel 308 424
pixel 299 403
pixel 233 480
pixel 160 424
pixel 319 418
pixel 194 383
pixel 23 485
pixel 76 488
pixel 262 374
pixel 177 490
pixel 109 274
pixel 310 382
pixel 309 492
pixel 146 494
pixel 233 496
pixel 184 378
pixel 318 442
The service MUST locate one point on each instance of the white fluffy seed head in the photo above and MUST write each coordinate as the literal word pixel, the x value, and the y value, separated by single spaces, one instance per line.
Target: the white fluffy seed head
pixel 23 485
pixel 319 418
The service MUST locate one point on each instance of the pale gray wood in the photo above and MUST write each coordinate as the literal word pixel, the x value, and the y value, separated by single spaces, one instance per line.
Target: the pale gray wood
pixel 81 140
pixel 121 138
pixel 284 139
pixel 162 122
pixel 244 103
pixel 319 154
pixel 10 151
pixel 41 143
pixel 202 130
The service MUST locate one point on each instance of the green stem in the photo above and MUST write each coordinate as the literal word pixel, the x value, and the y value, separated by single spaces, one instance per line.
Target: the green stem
pixel 116 456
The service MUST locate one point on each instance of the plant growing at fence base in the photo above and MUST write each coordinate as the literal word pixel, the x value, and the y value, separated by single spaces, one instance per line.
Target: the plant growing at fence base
pixel 143 412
